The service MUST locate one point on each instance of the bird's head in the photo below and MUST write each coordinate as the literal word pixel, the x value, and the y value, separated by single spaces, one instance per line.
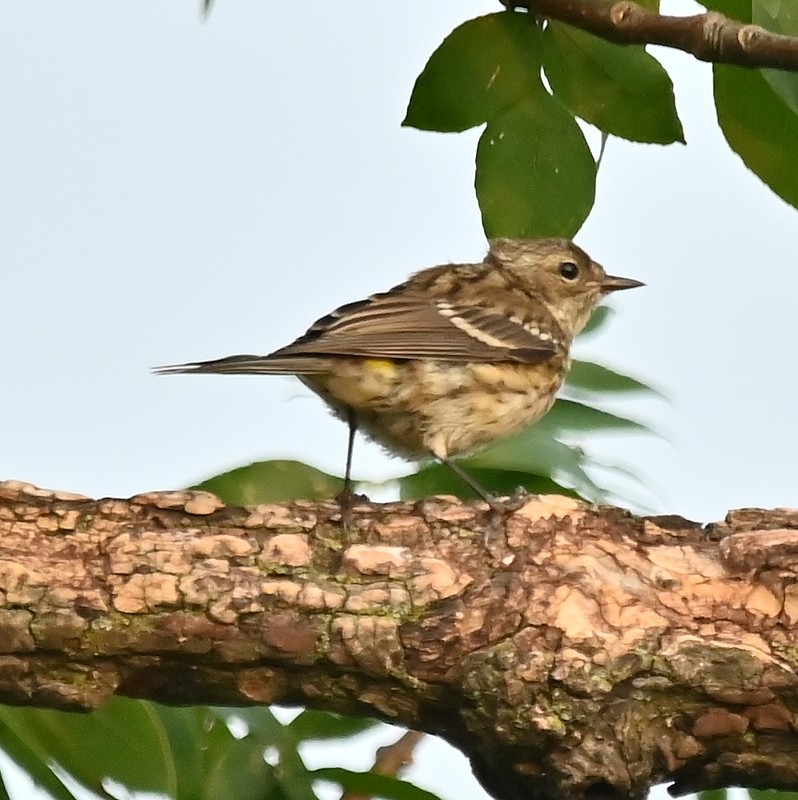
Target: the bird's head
pixel 559 274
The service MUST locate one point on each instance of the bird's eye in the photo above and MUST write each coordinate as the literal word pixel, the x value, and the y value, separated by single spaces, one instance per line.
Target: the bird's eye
pixel 569 271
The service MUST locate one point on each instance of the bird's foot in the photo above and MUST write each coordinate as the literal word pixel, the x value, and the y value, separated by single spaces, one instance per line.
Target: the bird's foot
pixel 501 509
pixel 347 500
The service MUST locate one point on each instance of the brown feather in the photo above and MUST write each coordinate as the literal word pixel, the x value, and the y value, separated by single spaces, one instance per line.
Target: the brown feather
pixel 252 365
pixel 413 327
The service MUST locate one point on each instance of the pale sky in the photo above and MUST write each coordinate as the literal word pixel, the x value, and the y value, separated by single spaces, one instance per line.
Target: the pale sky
pixel 178 191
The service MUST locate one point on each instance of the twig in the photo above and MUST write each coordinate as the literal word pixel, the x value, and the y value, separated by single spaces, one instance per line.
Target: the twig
pixel 709 37
pixel 391 759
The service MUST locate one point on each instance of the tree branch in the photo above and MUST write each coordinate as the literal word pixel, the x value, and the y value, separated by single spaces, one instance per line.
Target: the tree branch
pixel 585 653
pixel 391 759
pixel 709 37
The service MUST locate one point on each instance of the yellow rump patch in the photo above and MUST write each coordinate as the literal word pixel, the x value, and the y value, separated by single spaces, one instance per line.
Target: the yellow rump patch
pixel 381 365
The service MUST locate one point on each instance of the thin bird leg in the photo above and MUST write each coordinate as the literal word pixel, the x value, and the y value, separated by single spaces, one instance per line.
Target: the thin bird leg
pixel 350 449
pixel 469 480
pixel 499 508
pixel 346 497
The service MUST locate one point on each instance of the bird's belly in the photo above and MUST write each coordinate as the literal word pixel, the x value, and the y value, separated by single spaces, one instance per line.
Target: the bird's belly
pixel 501 400
pixel 422 407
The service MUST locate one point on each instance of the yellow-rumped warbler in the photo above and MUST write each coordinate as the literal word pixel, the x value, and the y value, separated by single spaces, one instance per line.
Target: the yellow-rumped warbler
pixel 450 360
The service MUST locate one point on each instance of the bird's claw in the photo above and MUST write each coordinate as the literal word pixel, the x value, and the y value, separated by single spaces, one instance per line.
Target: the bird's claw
pixel 347 500
pixel 501 509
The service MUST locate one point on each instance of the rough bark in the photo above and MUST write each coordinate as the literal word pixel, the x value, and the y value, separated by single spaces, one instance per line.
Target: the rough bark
pixel 583 653
pixel 709 37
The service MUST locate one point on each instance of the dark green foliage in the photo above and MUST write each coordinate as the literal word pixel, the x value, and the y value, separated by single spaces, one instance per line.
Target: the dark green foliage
pixel 623 91
pixel 371 784
pixel 272 482
pixel 585 376
pixel 184 753
pixel 482 69
pixel 760 125
pixel 535 173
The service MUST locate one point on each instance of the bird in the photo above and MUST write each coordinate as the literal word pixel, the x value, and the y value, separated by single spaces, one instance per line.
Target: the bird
pixel 449 361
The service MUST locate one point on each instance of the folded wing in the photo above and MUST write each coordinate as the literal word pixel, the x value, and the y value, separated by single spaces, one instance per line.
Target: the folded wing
pixel 400 327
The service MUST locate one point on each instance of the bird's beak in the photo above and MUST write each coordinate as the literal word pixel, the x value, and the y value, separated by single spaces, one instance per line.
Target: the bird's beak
pixel 611 283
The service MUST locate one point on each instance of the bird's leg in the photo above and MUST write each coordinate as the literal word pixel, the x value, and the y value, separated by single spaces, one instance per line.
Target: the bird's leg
pixel 346 497
pixel 499 508
pixel 469 480
pixel 350 449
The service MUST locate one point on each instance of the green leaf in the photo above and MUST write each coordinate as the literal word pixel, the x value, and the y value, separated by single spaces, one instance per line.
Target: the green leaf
pixel 484 66
pixel 24 749
pixel 261 724
pixel 535 173
pixel 771 794
pixel 535 459
pixel 276 481
pixel 734 9
pixel 597 320
pixel 759 126
pixel 779 17
pixel 178 732
pixel 588 376
pixel 179 752
pixel 372 784
pixel 122 740
pixel 536 450
pixel 713 794
pixel 230 767
pixel 541 451
pixel 210 762
pixel 437 479
pixel 622 90
pixel 569 415
pixel 294 781
pixel 325 725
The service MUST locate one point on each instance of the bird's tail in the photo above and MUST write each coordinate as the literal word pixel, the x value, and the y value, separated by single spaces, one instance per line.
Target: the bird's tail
pixel 251 365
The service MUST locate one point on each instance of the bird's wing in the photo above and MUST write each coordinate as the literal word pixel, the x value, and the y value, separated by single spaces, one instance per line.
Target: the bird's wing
pixel 397 326
pixel 409 326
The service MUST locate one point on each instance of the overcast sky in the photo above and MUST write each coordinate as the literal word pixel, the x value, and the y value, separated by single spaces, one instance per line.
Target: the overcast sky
pixel 172 191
